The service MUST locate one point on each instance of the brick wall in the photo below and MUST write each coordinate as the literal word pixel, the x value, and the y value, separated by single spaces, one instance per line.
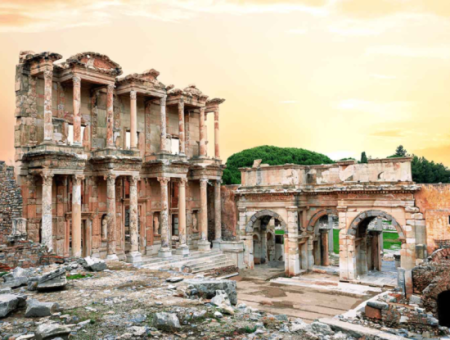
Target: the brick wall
pixel 10 201
pixel 229 211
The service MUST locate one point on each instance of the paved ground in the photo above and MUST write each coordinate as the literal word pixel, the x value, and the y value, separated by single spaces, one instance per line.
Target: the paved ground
pixel 308 302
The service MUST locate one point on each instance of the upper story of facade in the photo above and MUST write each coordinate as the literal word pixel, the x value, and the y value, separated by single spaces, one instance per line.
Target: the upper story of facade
pixel 377 174
pixel 81 114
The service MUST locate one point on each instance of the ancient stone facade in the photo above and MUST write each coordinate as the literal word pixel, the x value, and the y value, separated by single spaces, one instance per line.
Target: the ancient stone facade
pixel 110 166
pixel 287 213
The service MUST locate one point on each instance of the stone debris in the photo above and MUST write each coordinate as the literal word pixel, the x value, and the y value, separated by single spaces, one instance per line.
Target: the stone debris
pixel 52 331
pixel 166 321
pixel 93 264
pixel 208 288
pixel 37 308
pixel 9 303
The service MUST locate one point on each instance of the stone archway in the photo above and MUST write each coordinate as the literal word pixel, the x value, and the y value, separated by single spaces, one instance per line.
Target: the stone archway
pixel 321 240
pixel 261 214
pixel 371 214
pixel 313 221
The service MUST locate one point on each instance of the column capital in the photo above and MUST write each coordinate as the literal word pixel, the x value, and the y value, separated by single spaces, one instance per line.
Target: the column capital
pixel 133 94
pixel 163 100
pixel 110 178
pixel 47 177
pixel 218 182
pixel 183 181
pixel 48 74
pixel 181 101
pixel 134 180
pixel 76 80
pixel 163 180
pixel 203 180
pixel 110 87
pixel 78 178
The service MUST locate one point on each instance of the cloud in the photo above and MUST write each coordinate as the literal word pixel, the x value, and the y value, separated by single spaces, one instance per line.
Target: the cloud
pixel 384 111
pixel 379 8
pixel 396 133
pixel 441 52
pixel 288 102
pixel 40 15
pixel 382 76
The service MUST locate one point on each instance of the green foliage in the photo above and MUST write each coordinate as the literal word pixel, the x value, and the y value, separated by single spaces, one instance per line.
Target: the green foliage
pixel 423 170
pixel 78 276
pixel 271 155
pixel 363 157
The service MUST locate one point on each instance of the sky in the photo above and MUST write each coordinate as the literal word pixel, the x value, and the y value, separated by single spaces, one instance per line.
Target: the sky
pixel 333 76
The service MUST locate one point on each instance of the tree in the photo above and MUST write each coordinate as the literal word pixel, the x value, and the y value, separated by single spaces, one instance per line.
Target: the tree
pixel 400 151
pixel 363 157
pixel 271 155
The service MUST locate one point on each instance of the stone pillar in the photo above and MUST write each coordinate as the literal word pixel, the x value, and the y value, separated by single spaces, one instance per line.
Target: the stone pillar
pixel 76 111
pixel 163 127
pixel 325 253
pixel 203 243
pixel 134 256
pixel 48 116
pixel 181 127
pixel 111 216
pixel 330 235
pixel 183 249
pixel 217 215
pixel 292 253
pixel 76 215
pixel 165 250
pixel 133 120
pixel 47 227
pixel 110 117
pixel 216 134
pixel 202 126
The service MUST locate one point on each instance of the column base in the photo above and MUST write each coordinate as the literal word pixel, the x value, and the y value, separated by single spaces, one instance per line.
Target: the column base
pixel 182 250
pixel 165 252
pixel 134 257
pixel 48 142
pixel 204 246
pixel 217 244
pixel 77 254
pixel 112 257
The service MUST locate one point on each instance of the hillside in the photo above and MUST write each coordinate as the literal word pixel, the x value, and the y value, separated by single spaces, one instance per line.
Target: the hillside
pixel 271 155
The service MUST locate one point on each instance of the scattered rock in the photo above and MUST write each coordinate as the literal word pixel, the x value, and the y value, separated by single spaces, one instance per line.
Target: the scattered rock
pixel 51 331
pixel 207 288
pixel 9 303
pixel 37 308
pixel 166 321
pixel 93 264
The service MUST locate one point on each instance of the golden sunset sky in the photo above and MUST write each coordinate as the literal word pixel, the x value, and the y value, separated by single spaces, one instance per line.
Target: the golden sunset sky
pixel 334 76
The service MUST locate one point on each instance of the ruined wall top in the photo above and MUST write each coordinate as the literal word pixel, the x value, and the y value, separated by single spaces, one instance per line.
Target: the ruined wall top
pixel 377 171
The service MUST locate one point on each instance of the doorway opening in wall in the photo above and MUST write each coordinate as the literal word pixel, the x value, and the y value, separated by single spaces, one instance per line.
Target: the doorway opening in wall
pixel 326 241
pixel 268 241
pixel 128 140
pixel 175 146
pixel 443 303
pixel 70 135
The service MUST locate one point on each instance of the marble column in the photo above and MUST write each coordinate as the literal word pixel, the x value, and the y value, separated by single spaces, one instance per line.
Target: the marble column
pixel 110 117
pixel 165 250
pixel 163 126
pixel 330 235
pixel 182 249
pixel 181 127
pixel 133 120
pixel 216 134
pixel 47 226
pixel 76 215
pixel 134 256
pixel 217 215
pixel 203 243
pixel 202 127
pixel 48 116
pixel 76 111
pixel 111 216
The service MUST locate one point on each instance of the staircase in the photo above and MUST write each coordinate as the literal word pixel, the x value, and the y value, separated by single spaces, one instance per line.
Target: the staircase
pixel 195 262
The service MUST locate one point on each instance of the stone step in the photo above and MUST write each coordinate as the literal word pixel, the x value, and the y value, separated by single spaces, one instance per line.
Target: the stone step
pixel 214 266
pixel 179 261
pixel 215 261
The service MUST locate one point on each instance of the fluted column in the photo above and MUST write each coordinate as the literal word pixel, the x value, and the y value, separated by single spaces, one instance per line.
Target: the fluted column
pixel 133 120
pixel 181 127
pixel 165 250
pixel 76 215
pixel 217 215
pixel 47 227
pixel 216 134
pixel 110 117
pixel 202 127
pixel 203 244
pixel 76 111
pixel 111 216
pixel 134 256
pixel 182 249
pixel 48 116
pixel 163 125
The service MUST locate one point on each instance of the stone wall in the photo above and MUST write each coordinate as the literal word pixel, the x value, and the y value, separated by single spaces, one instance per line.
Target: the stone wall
pixel 229 211
pixel 10 201
pixel 433 200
